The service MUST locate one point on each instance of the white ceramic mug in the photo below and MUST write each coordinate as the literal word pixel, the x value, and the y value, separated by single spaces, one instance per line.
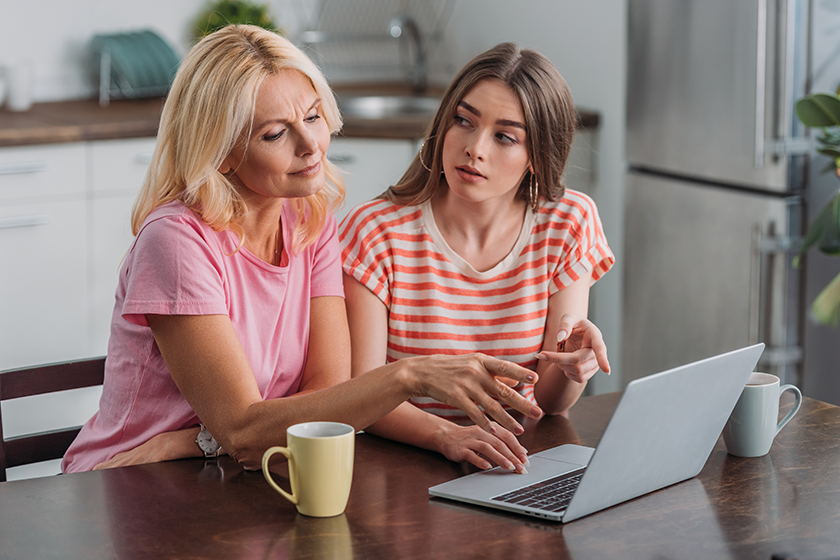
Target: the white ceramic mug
pixel 320 458
pixel 754 423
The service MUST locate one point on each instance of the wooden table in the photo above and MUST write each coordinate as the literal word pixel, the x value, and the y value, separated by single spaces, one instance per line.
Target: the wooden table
pixel 787 501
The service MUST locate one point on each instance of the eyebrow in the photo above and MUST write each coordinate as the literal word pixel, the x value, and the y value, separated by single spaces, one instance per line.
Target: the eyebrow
pixel 500 122
pixel 271 121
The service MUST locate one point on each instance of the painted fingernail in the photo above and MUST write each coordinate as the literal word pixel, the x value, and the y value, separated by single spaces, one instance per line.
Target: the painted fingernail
pixel 523 470
pixel 561 336
pixel 485 466
pixel 536 412
pixel 492 430
pixel 526 462
pixel 540 356
pixel 509 466
pixel 519 429
pixel 529 378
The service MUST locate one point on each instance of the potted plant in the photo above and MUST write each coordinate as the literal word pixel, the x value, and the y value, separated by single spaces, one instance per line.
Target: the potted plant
pixel 220 13
pixel 822 110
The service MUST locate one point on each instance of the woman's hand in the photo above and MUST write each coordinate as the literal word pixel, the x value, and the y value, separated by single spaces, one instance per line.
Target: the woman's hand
pixel 469 381
pixel 163 447
pixel 474 445
pixel 580 349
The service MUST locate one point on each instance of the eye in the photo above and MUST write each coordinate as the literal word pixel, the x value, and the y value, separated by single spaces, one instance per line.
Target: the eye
pixel 461 121
pixel 506 138
pixel 273 137
pixel 313 118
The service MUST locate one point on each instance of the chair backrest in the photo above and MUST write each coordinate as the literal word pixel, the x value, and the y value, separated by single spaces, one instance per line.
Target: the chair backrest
pixel 38 380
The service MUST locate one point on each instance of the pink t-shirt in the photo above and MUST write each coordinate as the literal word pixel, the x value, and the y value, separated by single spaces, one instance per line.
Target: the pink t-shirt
pixel 178 265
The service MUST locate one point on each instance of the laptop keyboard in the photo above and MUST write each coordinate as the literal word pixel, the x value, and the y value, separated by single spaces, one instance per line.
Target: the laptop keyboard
pixel 552 494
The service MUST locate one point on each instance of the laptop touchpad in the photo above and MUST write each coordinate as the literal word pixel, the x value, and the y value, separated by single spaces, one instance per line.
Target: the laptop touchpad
pixel 569 453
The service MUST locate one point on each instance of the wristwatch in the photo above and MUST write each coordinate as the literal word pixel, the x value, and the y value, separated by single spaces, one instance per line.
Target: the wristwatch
pixel 207 443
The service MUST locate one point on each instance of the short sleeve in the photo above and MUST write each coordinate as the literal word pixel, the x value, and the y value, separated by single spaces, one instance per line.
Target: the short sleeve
pixel 365 251
pixel 326 266
pixel 585 249
pixel 173 268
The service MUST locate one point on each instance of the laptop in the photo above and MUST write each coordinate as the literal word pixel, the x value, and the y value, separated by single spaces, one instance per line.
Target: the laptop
pixel 662 432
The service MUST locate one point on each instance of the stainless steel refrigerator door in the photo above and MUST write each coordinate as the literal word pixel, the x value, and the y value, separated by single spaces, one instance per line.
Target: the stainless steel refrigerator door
pixel 705 89
pixel 695 284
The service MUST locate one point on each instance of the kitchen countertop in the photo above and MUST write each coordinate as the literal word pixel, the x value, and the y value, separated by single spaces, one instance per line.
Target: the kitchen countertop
pixel 85 120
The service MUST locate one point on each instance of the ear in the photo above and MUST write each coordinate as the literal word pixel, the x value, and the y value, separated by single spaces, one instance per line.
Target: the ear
pixel 225 167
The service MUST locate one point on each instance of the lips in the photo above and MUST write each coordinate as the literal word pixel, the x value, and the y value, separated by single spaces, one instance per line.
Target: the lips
pixel 469 174
pixel 307 171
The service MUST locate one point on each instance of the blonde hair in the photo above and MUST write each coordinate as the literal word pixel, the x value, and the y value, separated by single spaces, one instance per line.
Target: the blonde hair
pixel 210 105
pixel 550 121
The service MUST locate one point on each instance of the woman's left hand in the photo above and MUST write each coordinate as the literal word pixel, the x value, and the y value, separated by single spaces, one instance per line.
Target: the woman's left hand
pixel 163 447
pixel 580 349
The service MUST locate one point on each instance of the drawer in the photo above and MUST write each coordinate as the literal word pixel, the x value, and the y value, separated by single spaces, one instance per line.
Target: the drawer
pixel 32 171
pixel 119 165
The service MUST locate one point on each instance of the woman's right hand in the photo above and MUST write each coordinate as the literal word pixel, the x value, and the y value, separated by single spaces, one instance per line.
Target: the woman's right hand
pixel 469 381
pixel 474 445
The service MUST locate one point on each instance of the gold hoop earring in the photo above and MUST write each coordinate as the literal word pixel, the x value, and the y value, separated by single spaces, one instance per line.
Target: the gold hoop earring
pixel 420 154
pixel 533 194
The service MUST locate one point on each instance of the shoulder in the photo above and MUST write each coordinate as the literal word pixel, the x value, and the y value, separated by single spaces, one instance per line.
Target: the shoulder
pixel 173 224
pixel 378 218
pixel 573 205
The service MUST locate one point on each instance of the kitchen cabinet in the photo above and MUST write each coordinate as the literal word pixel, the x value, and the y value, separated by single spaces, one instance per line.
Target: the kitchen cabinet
pixel 369 166
pixel 64 229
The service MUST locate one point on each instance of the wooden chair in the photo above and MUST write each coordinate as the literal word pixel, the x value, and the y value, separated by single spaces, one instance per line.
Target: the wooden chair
pixel 38 380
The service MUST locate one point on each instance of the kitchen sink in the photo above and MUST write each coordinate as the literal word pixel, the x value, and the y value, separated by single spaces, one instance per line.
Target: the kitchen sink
pixel 388 106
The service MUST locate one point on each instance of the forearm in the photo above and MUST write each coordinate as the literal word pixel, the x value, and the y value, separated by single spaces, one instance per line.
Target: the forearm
pixel 408 424
pixel 555 392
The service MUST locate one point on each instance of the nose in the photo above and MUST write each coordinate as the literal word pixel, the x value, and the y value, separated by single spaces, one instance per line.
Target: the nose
pixel 475 148
pixel 307 143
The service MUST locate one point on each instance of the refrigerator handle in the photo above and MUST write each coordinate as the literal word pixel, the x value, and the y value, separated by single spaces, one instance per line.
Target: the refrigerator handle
pixel 755 284
pixel 760 82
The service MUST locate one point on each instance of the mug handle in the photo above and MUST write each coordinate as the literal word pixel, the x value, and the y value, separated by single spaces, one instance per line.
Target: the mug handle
pixel 798 395
pixel 266 456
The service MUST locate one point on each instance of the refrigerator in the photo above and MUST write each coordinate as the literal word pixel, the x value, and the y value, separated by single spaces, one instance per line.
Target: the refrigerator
pixel 721 183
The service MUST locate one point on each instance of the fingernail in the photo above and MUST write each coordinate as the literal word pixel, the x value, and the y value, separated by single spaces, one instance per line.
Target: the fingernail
pixel 536 412
pixel 486 466
pixel 523 470
pixel 492 430
pixel 526 462
pixel 540 356
pixel 509 466
pixel 529 377
pixel 519 430
pixel 561 336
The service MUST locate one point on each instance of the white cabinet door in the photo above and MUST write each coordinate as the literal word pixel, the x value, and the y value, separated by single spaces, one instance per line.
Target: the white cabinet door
pixel 43 281
pixel 116 173
pixel 370 166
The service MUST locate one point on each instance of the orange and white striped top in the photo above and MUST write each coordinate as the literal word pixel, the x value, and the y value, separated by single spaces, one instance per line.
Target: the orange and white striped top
pixel 439 304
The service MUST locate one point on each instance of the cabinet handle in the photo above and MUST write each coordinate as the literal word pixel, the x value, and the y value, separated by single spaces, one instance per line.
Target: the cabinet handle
pixel 24 221
pixel 342 159
pixel 22 167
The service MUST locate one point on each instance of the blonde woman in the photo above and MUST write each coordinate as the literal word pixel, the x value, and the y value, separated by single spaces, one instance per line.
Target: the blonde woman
pixel 480 248
pixel 229 324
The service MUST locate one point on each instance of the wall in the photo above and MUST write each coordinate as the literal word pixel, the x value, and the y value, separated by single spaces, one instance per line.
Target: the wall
pixel 586 41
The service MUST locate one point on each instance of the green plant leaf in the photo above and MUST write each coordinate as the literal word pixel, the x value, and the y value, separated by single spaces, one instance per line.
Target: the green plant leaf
pixel 830 240
pixel 819 110
pixel 831 152
pixel 826 307
pixel 814 233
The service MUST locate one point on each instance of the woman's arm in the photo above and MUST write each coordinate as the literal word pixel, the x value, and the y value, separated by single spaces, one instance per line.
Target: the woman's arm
pixel 573 349
pixel 211 370
pixel 368 319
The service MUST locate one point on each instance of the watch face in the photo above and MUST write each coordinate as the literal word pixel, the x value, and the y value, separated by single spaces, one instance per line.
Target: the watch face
pixel 206 441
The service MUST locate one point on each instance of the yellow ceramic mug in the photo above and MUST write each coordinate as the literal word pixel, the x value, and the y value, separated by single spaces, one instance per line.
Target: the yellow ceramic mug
pixel 320 458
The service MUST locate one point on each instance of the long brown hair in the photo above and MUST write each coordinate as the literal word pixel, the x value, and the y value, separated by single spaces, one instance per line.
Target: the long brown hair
pixel 210 105
pixel 549 123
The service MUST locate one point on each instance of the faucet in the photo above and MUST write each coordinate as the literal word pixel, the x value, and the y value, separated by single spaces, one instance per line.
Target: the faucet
pixel 417 74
